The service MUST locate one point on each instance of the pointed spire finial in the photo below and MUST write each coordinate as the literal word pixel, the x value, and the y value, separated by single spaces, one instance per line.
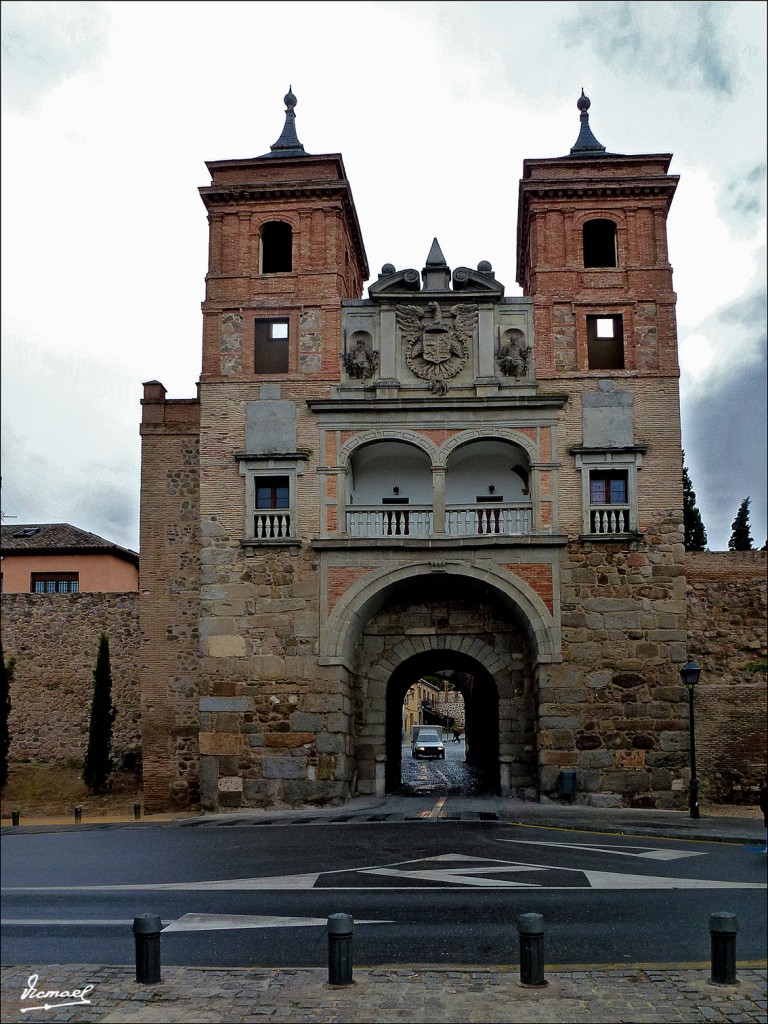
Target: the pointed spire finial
pixel 435 257
pixel 288 144
pixel 586 144
pixel 436 275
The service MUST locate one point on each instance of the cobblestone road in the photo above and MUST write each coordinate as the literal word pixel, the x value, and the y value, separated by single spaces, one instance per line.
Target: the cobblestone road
pixel 421 777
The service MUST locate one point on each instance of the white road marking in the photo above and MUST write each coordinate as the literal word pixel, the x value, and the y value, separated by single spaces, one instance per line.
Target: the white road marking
pixel 461 878
pixel 615 880
pixel 223 884
pixel 648 852
pixel 190 922
pixel 209 922
pixel 470 874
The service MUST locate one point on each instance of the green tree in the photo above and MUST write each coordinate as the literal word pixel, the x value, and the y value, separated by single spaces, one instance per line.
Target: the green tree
pixel 98 759
pixel 695 534
pixel 6 678
pixel 741 538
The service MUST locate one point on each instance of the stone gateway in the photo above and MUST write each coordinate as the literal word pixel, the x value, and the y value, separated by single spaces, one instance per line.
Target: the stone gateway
pixel 434 477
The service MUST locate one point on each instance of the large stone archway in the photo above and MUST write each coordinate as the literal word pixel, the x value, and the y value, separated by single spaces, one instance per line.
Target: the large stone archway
pixel 427 623
pixel 345 621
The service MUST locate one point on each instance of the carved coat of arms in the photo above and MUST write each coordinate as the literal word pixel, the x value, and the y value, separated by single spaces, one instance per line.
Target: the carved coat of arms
pixel 437 342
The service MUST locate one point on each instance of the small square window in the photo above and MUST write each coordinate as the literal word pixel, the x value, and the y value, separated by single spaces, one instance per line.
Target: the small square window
pixel 608 488
pixel 270 346
pixel 605 343
pixel 272 492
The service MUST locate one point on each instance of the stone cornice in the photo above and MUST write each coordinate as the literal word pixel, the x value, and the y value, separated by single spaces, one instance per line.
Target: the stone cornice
pixel 301 455
pixel 555 400
pixel 628 449
pixel 454 544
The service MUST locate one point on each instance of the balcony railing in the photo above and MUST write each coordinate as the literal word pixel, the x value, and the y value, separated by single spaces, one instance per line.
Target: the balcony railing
pixel 376 521
pixel 482 520
pixel 271 524
pixel 609 519
pixel 460 521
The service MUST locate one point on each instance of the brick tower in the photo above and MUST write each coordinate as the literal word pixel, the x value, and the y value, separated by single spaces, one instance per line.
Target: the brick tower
pixel 592 254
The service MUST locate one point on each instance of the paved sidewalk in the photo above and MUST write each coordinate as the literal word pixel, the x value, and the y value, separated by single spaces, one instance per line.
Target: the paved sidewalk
pixel 634 995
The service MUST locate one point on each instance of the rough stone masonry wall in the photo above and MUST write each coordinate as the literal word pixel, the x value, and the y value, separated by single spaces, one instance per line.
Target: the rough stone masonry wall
pixel 274 724
pixel 170 608
pixel 727 623
pixel 615 709
pixel 54 639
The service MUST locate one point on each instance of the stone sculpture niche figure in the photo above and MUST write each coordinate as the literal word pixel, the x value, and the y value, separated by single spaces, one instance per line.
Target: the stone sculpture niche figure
pixel 514 356
pixel 361 363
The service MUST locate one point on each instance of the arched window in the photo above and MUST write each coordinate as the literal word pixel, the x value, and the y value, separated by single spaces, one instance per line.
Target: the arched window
pixel 276 248
pixel 599 237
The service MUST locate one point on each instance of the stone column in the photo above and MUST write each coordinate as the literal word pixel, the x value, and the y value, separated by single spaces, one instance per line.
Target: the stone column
pixel 438 499
pixel 535 490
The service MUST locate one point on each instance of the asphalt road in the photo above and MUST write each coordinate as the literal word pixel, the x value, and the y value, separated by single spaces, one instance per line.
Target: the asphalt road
pixel 430 891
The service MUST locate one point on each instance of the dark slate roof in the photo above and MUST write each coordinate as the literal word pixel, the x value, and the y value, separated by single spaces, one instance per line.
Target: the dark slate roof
pixel 59 538
pixel 288 144
pixel 587 144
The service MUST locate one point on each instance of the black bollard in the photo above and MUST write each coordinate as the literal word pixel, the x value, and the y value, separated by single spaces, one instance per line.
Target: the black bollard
pixel 147 931
pixel 530 928
pixel 340 928
pixel 15 817
pixel 723 928
pixel 137 812
pixel 78 814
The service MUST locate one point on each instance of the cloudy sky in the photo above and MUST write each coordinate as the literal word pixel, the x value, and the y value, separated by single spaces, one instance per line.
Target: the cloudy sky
pixel 110 110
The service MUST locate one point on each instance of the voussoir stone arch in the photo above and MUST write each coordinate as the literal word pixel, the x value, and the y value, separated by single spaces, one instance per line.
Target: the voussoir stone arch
pixel 617 216
pixel 371 436
pixel 353 610
pixel 472 647
pixel 498 434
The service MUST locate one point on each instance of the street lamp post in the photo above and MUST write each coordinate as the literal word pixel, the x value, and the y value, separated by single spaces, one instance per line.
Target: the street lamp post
pixel 689 674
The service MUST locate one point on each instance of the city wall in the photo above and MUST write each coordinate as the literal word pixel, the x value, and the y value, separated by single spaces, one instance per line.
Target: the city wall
pixel 727 624
pixel 55 639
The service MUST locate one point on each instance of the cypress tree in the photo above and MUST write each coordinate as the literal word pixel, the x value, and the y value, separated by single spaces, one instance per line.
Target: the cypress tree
pixel 6 678
pixel 741 538
pixel 98 759
pixel 695 534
